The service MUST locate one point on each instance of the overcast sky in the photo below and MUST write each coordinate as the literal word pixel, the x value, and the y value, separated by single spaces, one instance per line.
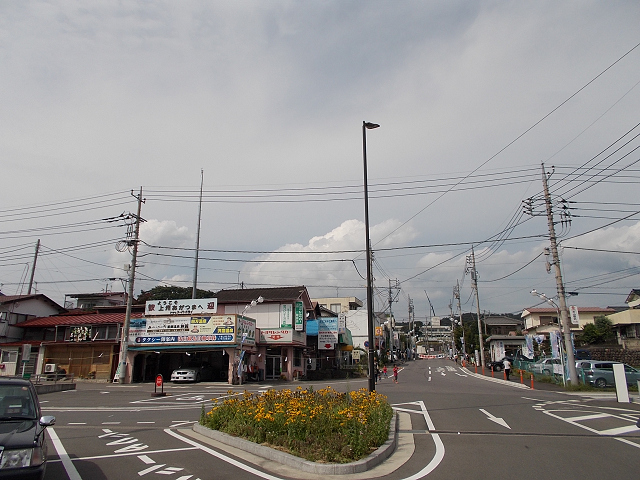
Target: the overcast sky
pixel 99 98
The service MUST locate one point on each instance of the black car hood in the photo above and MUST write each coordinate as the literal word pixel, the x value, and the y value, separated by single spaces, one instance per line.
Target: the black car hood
pixel 18 433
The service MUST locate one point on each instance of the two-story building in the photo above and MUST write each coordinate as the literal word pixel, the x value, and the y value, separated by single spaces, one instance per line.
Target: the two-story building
pixel 15 309
pixel 541 321
pixel 627 322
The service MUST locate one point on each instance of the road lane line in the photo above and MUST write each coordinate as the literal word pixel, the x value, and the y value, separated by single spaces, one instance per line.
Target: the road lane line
pixel 222 457
pixel 593 416
pixel 620 430
pixel 67 463
pixel 127 454
pixel 628 442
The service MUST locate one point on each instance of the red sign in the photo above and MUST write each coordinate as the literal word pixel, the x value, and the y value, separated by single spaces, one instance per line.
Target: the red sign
pixel 159 381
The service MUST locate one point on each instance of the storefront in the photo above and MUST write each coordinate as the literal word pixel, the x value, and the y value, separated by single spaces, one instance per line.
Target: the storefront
pixel 283 350
pixel 187 333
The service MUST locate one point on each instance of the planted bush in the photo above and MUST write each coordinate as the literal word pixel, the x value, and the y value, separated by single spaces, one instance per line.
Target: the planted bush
pixel 322 425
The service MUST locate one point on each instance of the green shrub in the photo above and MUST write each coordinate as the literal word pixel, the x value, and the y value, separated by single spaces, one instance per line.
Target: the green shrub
pixel 322 425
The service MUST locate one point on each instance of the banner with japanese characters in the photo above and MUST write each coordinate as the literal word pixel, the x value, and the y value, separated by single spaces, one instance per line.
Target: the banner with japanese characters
pixel 327 333
pixel 215 329
pixel 196 306
pixel 299 316
pixel 286 315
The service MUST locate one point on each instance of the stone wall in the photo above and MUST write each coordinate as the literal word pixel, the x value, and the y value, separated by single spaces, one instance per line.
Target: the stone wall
pixel 616 354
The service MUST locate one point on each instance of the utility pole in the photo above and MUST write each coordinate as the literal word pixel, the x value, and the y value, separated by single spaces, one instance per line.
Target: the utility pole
pixel 195 268
pixel 411 322
pixel 33 267
pixel 429 320
pixel 121 375
pixel 564 311
pixel 391 319
pixel 456 294
pixel 471 261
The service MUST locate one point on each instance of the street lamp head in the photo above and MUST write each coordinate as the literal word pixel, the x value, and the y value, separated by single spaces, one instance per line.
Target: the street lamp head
pixel 534 292
pixel 370 126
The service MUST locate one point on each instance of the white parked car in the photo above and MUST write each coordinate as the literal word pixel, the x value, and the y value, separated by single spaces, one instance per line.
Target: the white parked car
pixel 189 374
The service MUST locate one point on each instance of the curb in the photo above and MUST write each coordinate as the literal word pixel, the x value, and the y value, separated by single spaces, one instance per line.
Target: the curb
pixel 498 380
pixel 367 463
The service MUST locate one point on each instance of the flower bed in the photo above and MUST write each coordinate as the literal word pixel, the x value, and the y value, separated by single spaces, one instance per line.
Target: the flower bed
pixel 320 426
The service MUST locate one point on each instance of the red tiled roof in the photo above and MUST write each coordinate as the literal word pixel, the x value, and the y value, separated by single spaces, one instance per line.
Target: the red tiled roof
pixel 88 319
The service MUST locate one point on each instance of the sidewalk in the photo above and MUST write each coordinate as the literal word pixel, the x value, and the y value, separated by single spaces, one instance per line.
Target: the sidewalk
pixel 515 378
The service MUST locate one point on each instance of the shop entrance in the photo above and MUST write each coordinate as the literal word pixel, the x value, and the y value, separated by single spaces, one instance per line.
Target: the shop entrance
pixel 274 367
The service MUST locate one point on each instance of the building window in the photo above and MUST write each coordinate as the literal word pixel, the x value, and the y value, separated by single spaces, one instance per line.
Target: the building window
pixel 335 307
pixel 9 356
pixel 297 358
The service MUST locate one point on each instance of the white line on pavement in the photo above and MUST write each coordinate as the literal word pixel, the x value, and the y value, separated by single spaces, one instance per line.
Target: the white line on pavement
pixel 64 457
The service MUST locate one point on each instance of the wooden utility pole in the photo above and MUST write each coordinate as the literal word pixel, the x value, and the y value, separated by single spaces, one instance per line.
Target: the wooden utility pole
pixel 564 311
pixel 33 267
pixel 121 375
pixel 474 283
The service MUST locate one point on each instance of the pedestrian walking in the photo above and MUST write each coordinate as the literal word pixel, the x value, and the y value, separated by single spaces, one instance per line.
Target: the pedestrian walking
pixel 507 367
pixel 395 373
pixel 384 372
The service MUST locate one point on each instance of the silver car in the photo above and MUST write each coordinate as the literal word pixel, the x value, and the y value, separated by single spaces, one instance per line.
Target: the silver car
pixel 600 374
pixel 189 374
pixel 545 366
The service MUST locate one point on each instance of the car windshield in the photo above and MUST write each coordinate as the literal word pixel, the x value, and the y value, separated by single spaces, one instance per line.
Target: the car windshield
pixel 16 402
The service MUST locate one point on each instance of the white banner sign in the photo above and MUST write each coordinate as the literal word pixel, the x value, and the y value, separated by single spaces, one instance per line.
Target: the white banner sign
pixel 327 333
pixel 286 315
pixel 197 306
pixel 573 313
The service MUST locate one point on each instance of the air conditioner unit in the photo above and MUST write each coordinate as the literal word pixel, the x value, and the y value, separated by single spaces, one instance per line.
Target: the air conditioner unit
pixel 50 368
pixel 311 363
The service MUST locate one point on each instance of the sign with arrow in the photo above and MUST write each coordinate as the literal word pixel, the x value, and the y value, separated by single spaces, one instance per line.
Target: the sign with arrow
pixel 497 420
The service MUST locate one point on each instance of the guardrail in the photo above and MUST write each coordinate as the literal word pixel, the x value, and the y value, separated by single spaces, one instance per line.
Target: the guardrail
pixel 52 378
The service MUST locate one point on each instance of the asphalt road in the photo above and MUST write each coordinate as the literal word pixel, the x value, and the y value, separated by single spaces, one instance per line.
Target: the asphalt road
pixel 453 424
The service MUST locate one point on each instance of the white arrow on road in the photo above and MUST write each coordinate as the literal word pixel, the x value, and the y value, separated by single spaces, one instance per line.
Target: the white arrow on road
pixel 497 420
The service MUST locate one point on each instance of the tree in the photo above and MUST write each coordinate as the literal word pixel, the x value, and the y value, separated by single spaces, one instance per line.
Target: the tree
pixel 172 293
pixel 600 331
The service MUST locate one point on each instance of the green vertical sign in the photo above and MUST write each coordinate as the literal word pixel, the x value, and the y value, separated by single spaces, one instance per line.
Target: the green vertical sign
pixel 299 316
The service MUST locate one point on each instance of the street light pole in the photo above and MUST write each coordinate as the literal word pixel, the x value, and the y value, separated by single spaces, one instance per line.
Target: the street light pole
pixel 535 293
pixel 372 379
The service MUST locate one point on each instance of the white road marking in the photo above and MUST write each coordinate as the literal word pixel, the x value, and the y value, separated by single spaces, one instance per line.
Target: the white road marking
pixel 76 423
pixel 497 420
pixel 67 463
pixel 592 416
pixel 558 412
pixel 181 423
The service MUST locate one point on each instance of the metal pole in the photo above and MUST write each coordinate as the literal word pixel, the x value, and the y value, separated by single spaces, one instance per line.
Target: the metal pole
pixel 33 268
pixel 564 311
pixel 372 379
pixel 122 368
pixel 195 268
